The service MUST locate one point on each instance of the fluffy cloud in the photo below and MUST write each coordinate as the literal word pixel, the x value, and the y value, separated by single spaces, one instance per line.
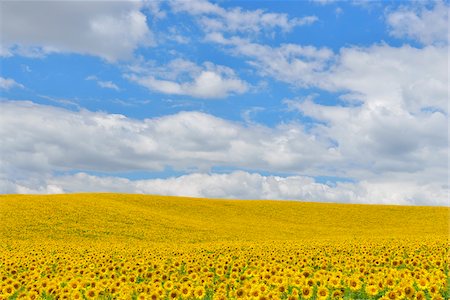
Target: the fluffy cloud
pixel 86 27
pixel 360 72
pixel 182 77
pixel 241 185
pixel 394 114
pixel 9 83
pixel 185 141
pixel 212 17
pixel 418 22
pixel 390 164
pixel 384 76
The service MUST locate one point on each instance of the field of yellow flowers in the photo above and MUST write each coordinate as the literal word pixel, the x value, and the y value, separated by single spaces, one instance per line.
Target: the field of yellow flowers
pixel 116 246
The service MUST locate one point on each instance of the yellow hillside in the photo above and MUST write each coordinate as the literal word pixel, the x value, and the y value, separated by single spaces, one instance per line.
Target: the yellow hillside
pixel 165 219
pixel 116 246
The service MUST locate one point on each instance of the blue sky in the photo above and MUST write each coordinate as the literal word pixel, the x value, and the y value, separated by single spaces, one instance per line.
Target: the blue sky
pixel 306 100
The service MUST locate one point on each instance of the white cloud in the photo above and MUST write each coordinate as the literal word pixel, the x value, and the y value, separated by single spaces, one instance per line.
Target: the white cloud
pixel 324 2
pixel 292 63
pixel 377 75
pixel 384 76
pixel 417 21
pixel 241 185
pixel 182 77
pixel 87 27
pixel 207 84
pixel 154 6
pixel 213 17
pixel 174 35
pixel 108 85
pixel 9 83
pixel 396 115
pixel 184 141
pixel 393 158
pixel 103 84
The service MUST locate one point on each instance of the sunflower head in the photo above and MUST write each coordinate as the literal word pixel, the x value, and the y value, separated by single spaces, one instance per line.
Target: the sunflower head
pixel 322 293
pixel 307 292
pixel 372 290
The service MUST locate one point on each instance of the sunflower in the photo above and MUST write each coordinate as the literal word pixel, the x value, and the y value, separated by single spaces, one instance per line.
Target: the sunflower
pixel 354 284
pixel 322 293
pixel 372 290
pixel 409 291
pixel 92 293
pixel 185 290
pixel 240 293
pixel 199 292
pixel 422 284
pixel 255 293
pixel 337 294
pixel 434 289
pixel 262 288
pixel 220 296
pixel 35 295
pixel 400 293
pixel 168 285
pixel 334 282
pixel 77 295
pixel 155 296
pixel 51 288
pixel 307 292
pixel 420 295
pixel 389 282
pixel 8 290
pixel 173 294
pixel 282 288
pixel 141 296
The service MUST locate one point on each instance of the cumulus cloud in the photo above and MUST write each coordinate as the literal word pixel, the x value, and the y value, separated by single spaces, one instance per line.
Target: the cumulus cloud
pixel 36 28
pixel 360 72
pixel 213 17
pixel 427 25
pixel 186 140
pixel 388 163
pixel 382 75
pixel 241 185
pixel 394 114
pixel 183 77
pixel 9 83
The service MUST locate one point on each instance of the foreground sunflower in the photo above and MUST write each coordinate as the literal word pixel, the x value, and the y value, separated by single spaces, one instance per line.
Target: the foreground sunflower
pixel 307 292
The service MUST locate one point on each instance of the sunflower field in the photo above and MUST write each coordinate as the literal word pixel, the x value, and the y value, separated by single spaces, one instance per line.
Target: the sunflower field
pixel 117 246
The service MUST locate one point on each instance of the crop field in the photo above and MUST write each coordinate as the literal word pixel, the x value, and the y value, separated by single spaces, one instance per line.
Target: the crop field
pixel 117 246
